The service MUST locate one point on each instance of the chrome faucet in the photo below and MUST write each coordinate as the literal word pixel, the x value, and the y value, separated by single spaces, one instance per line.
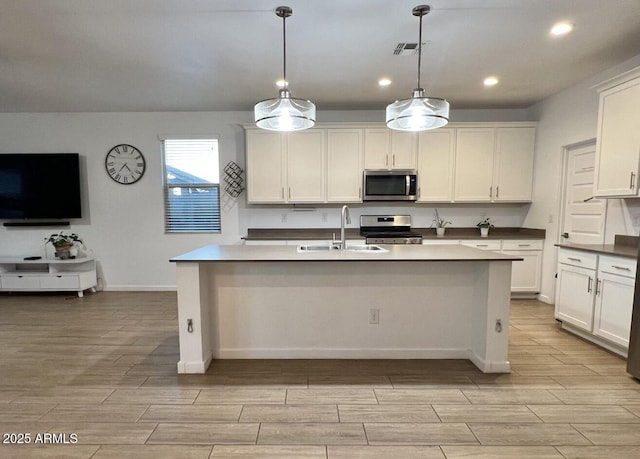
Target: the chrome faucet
pixel 344 216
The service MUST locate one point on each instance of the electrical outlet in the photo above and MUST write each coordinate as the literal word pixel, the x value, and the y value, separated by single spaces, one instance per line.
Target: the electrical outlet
pixel 284 218
pixel 374 316
pixel 636 221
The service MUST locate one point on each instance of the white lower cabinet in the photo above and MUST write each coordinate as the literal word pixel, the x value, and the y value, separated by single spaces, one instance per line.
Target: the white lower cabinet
pixel 595 295
pixel 574 303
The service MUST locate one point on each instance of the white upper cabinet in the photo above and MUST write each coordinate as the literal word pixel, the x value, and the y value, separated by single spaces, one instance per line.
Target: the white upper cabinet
pixel 265 167
pixel 388 149
pixel 494 164
pixel 306 168
pixel 344 164
pixel 474 164
pixel 513 164
pixel 618 140
pixel 436 151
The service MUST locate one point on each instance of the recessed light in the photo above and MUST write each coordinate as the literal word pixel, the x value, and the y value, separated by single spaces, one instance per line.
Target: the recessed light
pixel 491 81
pixel 561 28
pixel 281 83
pixel 384 81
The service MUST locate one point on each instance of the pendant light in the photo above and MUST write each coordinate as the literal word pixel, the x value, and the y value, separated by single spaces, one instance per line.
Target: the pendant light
pixel 420 113
pixel 285 113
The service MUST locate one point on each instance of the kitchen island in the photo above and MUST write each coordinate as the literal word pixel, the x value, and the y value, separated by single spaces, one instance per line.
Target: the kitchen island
pixel 430 302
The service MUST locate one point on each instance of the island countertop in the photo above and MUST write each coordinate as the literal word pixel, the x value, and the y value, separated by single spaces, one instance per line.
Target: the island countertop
pixel 412 252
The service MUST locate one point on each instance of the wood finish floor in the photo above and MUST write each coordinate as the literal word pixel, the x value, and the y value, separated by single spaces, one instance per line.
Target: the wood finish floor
pixel 103 367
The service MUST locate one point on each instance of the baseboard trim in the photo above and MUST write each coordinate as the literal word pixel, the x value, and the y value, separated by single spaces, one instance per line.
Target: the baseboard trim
pixel 139 288
pixel 326 353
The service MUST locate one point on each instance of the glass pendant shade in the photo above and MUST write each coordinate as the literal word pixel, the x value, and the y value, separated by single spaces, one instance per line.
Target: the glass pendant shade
pixel 419 113
pixel 285 113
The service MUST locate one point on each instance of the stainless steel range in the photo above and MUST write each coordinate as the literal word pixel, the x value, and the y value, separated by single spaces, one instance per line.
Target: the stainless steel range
pixel 388 229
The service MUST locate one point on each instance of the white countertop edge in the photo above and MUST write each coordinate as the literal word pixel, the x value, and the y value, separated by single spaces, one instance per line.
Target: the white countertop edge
pixel 246 253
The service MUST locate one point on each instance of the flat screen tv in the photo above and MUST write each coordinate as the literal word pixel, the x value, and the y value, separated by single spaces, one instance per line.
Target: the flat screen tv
pixel 39 186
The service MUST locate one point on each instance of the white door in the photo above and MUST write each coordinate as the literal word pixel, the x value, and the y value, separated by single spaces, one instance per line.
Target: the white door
pixel 584 215
pixel 265 167
pixel 404 149
pixel 513 167
pixel 376 149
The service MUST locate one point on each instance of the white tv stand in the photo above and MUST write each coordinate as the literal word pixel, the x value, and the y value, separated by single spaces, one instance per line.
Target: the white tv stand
pixel 48 274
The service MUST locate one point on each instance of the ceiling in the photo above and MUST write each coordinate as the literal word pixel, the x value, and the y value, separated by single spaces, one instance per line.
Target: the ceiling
pixel 196 55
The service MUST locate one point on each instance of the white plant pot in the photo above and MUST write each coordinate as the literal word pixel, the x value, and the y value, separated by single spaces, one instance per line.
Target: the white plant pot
pixel 484 232
pixel 440 231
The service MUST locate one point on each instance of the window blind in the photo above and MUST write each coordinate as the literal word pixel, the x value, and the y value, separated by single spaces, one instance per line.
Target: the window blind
pixel 191 185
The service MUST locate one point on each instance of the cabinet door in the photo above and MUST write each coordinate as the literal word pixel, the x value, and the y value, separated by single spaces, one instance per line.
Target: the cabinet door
pixel 265 167
pixel 614 303
pixel 618 141
pixel 474 164
pixel 513 167
pixel 436 151
pixel 344 160
pixel 575 298
pixel 525 274
pixel 404 150
pixel 376 148
pixel 306 166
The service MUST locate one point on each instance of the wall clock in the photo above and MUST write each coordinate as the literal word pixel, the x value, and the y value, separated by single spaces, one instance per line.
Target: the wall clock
pixel 125 164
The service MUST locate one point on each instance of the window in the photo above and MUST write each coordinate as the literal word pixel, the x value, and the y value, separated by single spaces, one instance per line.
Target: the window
pixel 191 185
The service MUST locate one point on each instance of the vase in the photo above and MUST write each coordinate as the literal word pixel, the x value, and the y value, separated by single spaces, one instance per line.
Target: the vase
pixel 63 251
pixel 484 231
pixel 440 232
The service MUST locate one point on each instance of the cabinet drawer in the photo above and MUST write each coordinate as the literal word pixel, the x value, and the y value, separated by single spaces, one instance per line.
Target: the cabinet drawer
pixel 60 282
pixel 617 265
pixel 483 245
pixel 529 244
pixel 20 281
pixel 578 258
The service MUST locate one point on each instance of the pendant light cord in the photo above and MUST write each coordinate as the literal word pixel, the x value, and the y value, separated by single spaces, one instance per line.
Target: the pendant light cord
pixel 420 50
pixel 284 51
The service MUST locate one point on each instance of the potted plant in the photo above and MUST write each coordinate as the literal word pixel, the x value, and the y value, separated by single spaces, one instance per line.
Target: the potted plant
pixel 484 225
pixel 63 243
pixel 440 223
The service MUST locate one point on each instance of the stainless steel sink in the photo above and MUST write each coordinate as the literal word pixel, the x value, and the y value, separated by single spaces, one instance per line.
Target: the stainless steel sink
pixel 316 248
pixel 365 248
pixel 368 248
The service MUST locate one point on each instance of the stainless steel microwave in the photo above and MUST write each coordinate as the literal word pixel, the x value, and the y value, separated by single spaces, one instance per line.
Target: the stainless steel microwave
pixel 390 185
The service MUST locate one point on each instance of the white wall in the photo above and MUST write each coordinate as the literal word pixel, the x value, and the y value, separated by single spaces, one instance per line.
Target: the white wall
pixel 123 224
pixel 564 119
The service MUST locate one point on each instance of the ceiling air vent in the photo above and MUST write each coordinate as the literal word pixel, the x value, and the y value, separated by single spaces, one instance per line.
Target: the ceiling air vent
pixel 408 49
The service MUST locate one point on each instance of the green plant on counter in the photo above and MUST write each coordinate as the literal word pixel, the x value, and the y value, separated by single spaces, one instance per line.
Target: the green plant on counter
pixel 63 240
pixel 485 223
pixel 438 221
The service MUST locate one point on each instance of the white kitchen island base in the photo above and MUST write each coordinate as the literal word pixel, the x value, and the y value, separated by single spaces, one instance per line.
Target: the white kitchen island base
pixel 434 303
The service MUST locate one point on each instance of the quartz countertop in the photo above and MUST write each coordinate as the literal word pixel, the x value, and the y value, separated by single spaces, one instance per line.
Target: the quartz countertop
pixel 623 246
pixel 222 253
pixel 278 234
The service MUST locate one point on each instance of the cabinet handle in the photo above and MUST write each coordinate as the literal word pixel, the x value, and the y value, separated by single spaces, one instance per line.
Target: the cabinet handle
pixel 393 160
pixel 575 259
pixel 589 289
pixel 282 189
pixel 524 245
pixel 497 192
pixel 419 192
pixel 482 245
pixel 633 181
pixel 289 193
pixel 621 267
pixel 490 192
pixel 598 287
pixel 359 192
pixel 386 161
